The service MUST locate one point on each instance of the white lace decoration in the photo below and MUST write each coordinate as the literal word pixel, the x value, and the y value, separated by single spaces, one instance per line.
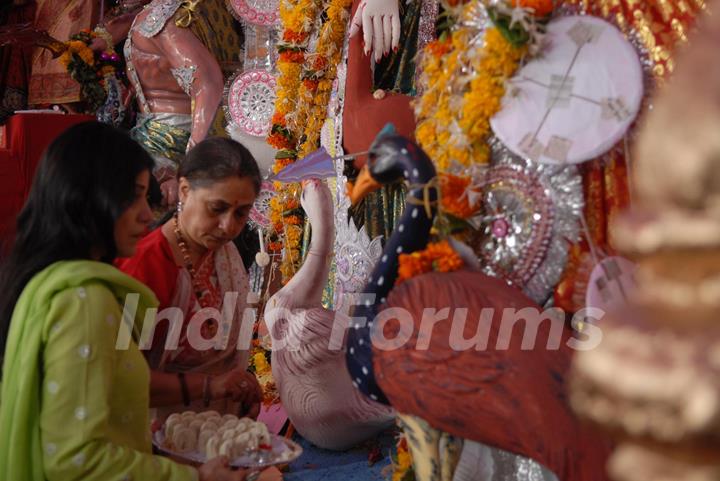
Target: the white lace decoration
pixel 160 12
pixel 184 76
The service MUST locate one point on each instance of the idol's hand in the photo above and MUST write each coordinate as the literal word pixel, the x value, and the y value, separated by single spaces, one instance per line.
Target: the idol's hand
pixel 380 23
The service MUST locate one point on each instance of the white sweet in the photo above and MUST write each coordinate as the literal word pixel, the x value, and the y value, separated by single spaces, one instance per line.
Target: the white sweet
pixel 212 450
pixel 203 439
pixel 173 418
pixel 172 428
pixel 172 421
pixel 231 423
pixel 210 424
pixel 227 448
pixel 184 439
pixel 246 442
pixel 244 423
pixel 210 416
pixel 213 435
pixel 229 417
pixel 264 434
pixel 196 425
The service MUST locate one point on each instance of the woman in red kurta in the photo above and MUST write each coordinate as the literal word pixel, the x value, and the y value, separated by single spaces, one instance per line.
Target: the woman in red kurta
pixel 200 359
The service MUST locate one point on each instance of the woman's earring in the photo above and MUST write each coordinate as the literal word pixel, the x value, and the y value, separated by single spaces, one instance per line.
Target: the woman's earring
pixel 179 206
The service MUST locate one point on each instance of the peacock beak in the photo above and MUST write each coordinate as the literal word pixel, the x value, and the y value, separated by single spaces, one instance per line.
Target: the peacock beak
pixel 364 185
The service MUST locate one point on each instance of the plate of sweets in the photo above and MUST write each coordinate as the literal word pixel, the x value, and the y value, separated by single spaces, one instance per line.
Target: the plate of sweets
pixel 199 437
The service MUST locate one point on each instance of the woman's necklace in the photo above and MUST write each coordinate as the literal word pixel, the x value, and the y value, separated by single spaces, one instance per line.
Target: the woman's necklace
pixel 187 260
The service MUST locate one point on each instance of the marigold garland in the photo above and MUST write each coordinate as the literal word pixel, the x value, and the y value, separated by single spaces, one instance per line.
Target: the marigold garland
pixel 451 139
pixel 495 66
pixel 260 366
pixel 454 141
pixel 454 199
pixel 402 461
pixel 321 71
pixel 88 68
pixel 303 94
pixel 437 256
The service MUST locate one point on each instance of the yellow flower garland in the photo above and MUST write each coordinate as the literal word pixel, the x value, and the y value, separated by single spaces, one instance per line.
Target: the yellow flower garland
pixel 81 49
pixel 303 95
pixel 263 372
pixel 451 139
pixel 328 56
pixel 402 462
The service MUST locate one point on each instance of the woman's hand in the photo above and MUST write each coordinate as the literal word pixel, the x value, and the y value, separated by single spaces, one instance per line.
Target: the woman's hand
pixel 218 469
pixel 240 386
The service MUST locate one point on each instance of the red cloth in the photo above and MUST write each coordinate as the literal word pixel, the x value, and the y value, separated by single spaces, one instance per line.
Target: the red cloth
pixel 11 193
pixel 28 137
pixel 364 116
pixel 154 265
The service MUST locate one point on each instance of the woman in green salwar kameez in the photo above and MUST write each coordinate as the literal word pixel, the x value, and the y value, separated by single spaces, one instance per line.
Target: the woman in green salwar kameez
pixel 75 387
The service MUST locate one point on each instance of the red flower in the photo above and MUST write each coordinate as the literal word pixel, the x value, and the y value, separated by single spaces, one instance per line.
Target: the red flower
pixel 279 119
pixel 279 141
pixel 320 63
pixel 294 37
pixel 542 8
pixel 290 56
pixel 440 47
pixel 310 84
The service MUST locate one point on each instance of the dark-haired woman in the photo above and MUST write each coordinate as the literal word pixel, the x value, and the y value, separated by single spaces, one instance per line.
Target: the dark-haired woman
pixel 191 263
pixel 74 396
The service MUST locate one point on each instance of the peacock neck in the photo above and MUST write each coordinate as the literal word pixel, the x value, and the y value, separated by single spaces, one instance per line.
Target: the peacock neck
pixel 308 284
pixel 410 235
pixel 412 231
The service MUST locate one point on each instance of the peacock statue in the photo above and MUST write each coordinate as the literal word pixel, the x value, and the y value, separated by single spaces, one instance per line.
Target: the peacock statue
pixel 309 370
pixel 472 407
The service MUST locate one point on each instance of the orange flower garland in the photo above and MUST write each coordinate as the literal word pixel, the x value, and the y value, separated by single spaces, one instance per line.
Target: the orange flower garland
pixel 260 365
pixel 303 95
pixel 322 71
pixel 541 8
pixel 454 199
pixel 450 139
pixel 79 48
pixel 402 461
pixel 88 69
pixel 437 256
pixel 297 17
